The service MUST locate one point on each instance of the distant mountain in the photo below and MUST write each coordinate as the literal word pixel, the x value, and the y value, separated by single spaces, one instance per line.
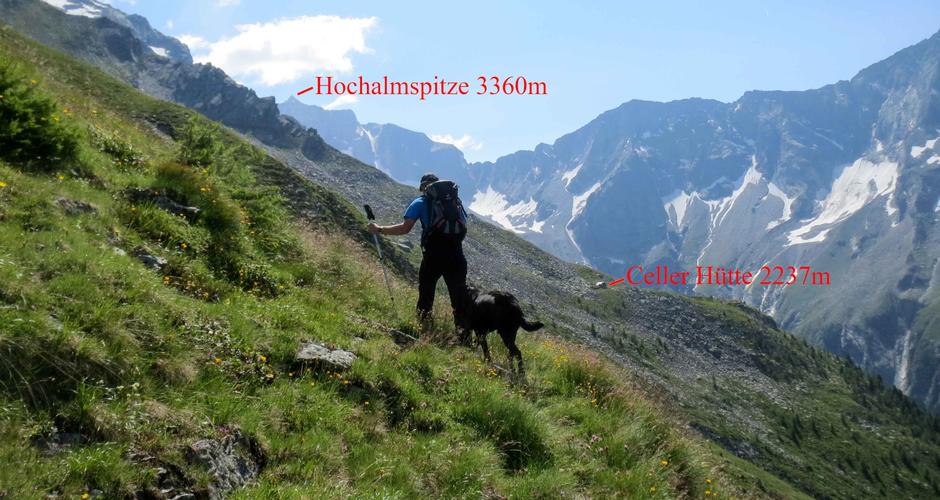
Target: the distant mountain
pixel 845 179
pixel 403 154
pixel 158 43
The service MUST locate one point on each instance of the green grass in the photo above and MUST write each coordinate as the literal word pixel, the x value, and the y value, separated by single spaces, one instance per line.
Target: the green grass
pixel 141 363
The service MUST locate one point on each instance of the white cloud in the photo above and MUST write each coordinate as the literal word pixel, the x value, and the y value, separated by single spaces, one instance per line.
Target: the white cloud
pixel 286 50
pixel 464 143
pixel 194 43
pixel 169 24
pixel 226 3
pixel 342 100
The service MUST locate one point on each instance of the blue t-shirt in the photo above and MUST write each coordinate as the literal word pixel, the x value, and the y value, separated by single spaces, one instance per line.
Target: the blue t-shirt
pixel 418 211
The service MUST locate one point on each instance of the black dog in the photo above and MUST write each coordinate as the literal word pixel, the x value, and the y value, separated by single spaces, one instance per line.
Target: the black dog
pixel 498 311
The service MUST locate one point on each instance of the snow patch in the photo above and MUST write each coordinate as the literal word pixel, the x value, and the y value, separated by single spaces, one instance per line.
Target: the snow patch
pixel 774 190
pixel 933 160
pixel 752 176
pixel 577 205
pixel 718 209
pixel 676 204
pixel 493 204
pixel 374 148
pixel 829 140
pixel 917 151
pixel 536 226
pixel 857 185
pixel 579 202
pixel 571 174
pixel 84 8
pixel 160 51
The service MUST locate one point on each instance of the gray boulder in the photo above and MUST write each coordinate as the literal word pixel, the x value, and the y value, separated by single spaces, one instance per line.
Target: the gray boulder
pixel 150 260
pixel 75 207
pixel 336 359
pixel 233 460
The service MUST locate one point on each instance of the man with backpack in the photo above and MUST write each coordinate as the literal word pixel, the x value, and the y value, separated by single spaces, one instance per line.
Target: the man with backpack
pixel 444 225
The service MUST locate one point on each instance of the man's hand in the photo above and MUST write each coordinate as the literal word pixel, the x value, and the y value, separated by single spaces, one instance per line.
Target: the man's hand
pixel 393 230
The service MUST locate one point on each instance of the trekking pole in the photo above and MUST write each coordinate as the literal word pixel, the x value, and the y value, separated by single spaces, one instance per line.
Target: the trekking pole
pixel 375 237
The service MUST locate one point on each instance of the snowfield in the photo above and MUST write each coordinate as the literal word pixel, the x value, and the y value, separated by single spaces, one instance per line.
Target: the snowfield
pixel 917 151
pixel 856 186
pixel 496 207
pixel 676 204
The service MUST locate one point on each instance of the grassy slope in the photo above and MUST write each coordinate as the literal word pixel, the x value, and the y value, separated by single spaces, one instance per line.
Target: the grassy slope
pixel 808 417
pixel 143 363
pixel 849 431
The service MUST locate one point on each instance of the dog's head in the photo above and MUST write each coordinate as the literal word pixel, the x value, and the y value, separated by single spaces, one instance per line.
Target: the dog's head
pixel 471 293
pixel 470 297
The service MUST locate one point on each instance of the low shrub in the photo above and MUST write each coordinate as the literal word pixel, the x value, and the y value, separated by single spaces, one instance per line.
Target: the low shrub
pixel 33 132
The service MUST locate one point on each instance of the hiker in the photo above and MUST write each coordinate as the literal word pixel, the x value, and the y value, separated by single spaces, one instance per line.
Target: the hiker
pixel 443 226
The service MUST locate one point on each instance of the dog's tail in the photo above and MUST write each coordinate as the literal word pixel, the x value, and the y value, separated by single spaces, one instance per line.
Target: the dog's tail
pixel 531 326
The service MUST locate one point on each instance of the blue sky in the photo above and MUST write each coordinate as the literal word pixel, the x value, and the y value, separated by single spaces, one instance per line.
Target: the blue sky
pixel 592 57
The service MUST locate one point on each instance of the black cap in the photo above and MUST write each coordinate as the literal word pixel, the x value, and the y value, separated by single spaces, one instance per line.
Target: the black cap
pixel 426 180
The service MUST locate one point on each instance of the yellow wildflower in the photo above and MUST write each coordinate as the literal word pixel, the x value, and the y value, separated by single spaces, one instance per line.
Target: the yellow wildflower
pixel 184 246
pixel 263 359
pixel 60 177
pixel 218 361
pixel 708 481
pixel 664 462
pixel 270 375
pixel 3 184
pixel 84 495
pixel 33 82
pixel 652 489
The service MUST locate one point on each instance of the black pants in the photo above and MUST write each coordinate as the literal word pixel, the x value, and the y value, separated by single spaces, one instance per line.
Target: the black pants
pixel 442 259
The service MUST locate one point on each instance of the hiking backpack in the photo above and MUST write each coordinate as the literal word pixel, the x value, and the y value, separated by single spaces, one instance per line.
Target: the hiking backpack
pixel 446 215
